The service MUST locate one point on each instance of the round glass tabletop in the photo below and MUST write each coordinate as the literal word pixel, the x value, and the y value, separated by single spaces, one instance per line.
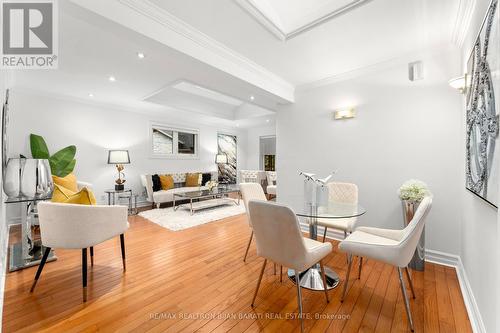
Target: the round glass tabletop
pixel 330 210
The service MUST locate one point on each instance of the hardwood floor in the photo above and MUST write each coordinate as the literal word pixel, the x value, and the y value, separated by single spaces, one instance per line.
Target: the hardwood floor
pixel 195 280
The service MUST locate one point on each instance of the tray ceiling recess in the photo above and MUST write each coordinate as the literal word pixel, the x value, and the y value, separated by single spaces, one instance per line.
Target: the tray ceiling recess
pixel 286 19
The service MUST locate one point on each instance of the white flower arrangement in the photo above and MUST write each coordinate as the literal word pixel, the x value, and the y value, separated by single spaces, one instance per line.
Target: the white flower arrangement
pixel 413 190
pixel 211 184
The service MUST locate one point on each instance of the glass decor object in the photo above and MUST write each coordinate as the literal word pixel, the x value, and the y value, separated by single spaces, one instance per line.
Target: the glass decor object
pixel 12 177
pixel 36 181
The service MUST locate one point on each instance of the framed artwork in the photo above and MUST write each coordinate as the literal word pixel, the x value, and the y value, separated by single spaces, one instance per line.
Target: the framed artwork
pixel 482 106
pixel 227 144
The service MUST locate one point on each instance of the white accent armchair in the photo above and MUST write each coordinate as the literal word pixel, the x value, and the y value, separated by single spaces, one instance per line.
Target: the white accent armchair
pixel 395 247
pixel 72 226
pixel 271 183
pixel 279 239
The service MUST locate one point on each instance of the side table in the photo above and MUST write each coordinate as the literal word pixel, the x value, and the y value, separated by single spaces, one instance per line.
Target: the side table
pixel 28 252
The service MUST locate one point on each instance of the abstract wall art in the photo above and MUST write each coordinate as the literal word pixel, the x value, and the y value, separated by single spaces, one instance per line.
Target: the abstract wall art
pixel 482 103
pixel 227 145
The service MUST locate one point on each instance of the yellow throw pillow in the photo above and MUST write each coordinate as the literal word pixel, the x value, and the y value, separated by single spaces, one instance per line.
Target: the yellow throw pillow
pixel 192 179
pixel 84 197
pixel 167 182
pixel 68 182
pixel 63 195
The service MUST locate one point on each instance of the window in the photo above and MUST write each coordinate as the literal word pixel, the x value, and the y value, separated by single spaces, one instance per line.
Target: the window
pixel 167 142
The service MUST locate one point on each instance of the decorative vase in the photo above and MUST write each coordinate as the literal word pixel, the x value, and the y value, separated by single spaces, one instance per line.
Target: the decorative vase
pixel 418 260
pixel 12 177
pixel 36 179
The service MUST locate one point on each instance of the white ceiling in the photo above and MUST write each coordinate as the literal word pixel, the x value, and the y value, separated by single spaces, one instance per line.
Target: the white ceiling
pixel 289 18
pixel 225 51
pixel 369 34
pixel 92 48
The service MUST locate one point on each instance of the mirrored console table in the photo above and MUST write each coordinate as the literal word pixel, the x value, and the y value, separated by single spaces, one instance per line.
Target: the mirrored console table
pixel 28 251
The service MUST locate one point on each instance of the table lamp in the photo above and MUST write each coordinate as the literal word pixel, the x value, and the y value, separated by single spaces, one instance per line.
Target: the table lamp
pixel 118 158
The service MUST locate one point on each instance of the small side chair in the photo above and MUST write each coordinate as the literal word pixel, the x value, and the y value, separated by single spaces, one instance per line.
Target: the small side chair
pixel 70 226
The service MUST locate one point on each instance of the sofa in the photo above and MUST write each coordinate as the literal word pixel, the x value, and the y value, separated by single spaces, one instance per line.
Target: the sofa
pixel 165 196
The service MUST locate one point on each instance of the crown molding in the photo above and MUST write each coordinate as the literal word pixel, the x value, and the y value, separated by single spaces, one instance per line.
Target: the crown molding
pixel 150 20
pixel 462 22
pixel 272 27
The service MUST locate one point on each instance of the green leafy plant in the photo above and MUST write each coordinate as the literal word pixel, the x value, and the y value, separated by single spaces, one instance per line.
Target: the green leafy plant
pixel 61 163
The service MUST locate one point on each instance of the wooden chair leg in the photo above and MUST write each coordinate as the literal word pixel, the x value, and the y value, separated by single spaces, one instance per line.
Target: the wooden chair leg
pixel 91 256
pixel 248 247
pixel 40 268
pixel 323 277
pixel 258 282
pixel 324 234
pixel 122 244
pixel 281 273
pixel 84 274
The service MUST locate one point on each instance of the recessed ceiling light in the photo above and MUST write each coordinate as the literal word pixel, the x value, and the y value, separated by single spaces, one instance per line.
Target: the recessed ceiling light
pixel 91 95
pixel 267 120
pixel 141 55
pixel 252 97
pixel 237 125
pixel 112 78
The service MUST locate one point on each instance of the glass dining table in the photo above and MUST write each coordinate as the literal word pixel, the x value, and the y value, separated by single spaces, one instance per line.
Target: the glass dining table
pixel 311 213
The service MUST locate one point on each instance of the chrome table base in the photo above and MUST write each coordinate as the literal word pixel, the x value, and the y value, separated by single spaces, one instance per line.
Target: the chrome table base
pixel 311 278
pixel 17 261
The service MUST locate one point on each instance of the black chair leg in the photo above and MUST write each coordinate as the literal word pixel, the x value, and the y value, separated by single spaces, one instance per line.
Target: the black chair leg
pixel 122 243
pixel 84 273
pixel 40 267
pixel 91 256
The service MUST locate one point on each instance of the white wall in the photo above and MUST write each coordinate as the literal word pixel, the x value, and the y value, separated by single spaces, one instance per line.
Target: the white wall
pixel 253 144
pixel 403 130
pixel 480 225
pixel 95 129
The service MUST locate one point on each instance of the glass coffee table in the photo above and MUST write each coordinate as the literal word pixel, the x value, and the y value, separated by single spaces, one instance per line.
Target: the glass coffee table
pixel 203 199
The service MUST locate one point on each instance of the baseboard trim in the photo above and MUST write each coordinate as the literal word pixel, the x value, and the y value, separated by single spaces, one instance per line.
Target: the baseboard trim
pixel 441 258
pixel 455 261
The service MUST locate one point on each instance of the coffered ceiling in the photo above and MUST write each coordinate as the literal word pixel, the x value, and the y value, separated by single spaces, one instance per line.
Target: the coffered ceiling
pixel 289 18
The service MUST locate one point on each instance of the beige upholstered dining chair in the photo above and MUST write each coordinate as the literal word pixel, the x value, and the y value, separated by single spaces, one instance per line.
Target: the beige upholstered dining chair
pixel 70 226
pixel 279 239
pixel 395 247
pixel 341 193
pixel 251 191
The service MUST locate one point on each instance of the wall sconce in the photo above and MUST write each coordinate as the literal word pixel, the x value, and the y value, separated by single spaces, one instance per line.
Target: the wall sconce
pixel 459 83
pixel 344 114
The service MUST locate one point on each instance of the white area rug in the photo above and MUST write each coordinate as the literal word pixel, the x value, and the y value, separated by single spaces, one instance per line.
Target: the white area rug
pixel 182 219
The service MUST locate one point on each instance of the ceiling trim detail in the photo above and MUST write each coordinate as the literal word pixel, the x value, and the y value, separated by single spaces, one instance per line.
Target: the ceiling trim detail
pixel 264 20
pixel 462 23
pixel 148 19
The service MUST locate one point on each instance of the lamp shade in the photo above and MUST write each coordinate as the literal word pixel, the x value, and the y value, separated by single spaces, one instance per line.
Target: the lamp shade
pixel 221 159
pixel 118 157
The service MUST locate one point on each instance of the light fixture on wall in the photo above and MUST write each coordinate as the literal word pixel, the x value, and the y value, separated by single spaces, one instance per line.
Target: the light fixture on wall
pixel 119 158
pixel 344 114
pixel 459 83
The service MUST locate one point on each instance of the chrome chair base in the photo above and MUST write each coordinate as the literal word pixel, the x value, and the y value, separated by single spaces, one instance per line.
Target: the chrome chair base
pixel 311 279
